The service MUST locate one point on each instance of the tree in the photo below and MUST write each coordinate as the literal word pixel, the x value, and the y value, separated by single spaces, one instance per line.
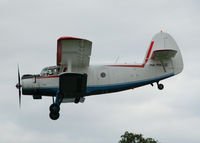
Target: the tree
pixel 135 138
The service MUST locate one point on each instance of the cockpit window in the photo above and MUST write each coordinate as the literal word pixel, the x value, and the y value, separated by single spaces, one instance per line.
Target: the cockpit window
pixel 48 71
pixel 43 72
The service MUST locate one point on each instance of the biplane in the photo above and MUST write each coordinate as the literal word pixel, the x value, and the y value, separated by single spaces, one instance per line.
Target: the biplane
pixel 73 78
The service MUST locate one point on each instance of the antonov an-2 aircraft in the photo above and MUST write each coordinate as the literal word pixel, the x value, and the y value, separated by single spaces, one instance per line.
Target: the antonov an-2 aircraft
pixel 72 79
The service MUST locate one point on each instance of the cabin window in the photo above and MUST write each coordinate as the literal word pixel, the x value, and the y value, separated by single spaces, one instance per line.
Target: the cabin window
pixel 49 71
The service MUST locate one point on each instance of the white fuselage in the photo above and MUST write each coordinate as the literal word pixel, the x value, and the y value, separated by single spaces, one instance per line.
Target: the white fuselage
pixel 103 78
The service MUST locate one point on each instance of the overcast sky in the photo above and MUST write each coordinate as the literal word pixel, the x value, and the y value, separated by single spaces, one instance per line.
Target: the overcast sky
pixel 28 33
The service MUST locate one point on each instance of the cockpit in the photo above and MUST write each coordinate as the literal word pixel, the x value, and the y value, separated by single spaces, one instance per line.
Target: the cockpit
pixel 49 71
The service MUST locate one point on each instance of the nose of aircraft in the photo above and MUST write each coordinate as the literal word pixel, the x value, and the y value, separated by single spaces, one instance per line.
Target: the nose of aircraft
pixel 18 85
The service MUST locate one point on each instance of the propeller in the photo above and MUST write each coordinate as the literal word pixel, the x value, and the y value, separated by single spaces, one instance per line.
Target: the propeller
pixel 18 86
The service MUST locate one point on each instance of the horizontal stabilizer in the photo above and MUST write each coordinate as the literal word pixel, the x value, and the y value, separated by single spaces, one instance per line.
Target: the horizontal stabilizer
pixel 163 54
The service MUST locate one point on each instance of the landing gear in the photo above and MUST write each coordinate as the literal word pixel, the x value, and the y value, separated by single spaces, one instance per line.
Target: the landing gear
pixel 54 111
pixel 160 86
pixel 55 107
pixel 54 116
pixel 77 100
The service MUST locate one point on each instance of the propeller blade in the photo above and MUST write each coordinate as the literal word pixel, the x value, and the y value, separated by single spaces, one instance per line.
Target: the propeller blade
pixel 19 86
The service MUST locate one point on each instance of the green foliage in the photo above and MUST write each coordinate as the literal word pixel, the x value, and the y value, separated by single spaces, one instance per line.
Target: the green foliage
pixel 135 138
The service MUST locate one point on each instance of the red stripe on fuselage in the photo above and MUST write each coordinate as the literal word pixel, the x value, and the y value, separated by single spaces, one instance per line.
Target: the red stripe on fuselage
pixel 55 76
pixel 138 66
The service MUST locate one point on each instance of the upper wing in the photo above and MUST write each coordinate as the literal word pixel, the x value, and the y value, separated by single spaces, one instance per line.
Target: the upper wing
pixel 163 54
pixel 73 51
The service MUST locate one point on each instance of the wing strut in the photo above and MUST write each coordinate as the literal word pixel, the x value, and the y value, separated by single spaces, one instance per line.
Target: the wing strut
pixel 69 66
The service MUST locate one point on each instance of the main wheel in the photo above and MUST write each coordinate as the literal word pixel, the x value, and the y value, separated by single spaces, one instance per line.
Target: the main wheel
pixel 54 116
pixel 54 108
pixel 160 86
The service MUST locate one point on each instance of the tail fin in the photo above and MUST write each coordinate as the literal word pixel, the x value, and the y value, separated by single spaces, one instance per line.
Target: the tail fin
pixel 164 49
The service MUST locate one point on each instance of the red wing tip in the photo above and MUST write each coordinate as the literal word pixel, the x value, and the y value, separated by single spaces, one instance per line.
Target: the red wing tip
pixel 68 37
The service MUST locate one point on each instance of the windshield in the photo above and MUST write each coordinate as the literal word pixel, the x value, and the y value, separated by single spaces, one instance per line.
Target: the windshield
pixel 48 71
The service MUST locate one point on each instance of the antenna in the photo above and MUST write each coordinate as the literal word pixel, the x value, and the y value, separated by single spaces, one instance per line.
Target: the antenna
pixel 117 59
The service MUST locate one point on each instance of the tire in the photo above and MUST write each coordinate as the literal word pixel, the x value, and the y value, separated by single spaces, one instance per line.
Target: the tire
pixel 54 108
pixel 54 116
pixel 160 86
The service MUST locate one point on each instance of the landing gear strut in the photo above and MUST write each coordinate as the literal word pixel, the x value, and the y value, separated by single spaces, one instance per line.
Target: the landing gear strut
pixel 77 100
pixel 160 86
pixel 55 107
